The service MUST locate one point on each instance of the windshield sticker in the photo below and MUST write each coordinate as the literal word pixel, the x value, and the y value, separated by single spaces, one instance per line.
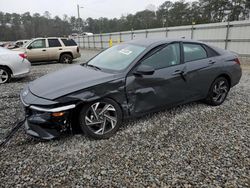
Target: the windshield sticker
pixel 125 51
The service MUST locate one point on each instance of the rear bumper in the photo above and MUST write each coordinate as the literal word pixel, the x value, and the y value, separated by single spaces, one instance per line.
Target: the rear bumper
pixel 23 74
pixel 23 70
pixel 236 75
pixel 77 55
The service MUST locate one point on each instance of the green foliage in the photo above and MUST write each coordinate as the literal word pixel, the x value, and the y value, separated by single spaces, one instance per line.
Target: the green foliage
pixel 24 26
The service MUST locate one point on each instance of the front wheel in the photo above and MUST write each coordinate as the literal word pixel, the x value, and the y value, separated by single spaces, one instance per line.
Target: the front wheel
pixel 218 92
pixel 4 75
pixel 101 119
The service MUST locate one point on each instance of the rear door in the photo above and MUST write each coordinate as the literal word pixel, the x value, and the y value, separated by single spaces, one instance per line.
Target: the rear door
pixel 54 49
pixel 201 68
pixel 164 88
pixel 37 51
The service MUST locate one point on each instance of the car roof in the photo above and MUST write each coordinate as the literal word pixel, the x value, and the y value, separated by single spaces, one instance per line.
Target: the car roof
pixel 157 41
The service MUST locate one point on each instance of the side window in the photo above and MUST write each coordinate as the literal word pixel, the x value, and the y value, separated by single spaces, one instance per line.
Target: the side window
pixel 69 42
pixel 211 52
pixel 168 56
pixel 38 44
pixel 54 43
pixel 193 52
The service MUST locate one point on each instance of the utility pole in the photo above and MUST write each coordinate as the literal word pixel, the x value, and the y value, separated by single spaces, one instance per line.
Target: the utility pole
pixel 78 16
pixel 78 11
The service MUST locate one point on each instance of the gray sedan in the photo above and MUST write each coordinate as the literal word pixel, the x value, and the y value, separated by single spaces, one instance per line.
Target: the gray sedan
pixel 12 64
pixel 128 80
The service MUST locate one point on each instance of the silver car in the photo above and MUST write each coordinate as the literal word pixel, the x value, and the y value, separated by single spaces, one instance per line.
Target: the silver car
pixel 12 64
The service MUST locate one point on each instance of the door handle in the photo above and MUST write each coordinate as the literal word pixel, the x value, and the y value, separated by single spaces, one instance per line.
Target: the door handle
pixel 182 73
pixel 43 50
pixel 211 62
pixel 178 72
pixel 60 48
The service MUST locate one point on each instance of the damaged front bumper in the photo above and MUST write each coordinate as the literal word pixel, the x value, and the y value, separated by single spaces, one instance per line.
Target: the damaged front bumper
pixel 45 122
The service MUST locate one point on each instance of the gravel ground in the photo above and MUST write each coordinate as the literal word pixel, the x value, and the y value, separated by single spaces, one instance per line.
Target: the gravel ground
pixel 192 145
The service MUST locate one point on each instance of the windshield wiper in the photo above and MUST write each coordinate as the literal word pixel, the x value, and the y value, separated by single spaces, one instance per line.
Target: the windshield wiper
pixel 93 66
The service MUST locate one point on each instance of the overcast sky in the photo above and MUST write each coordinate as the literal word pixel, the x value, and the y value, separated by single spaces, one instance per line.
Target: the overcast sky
pixel 92 8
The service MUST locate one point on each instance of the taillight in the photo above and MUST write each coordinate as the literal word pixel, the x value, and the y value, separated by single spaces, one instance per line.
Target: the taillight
pixel 77 49
pixel 237 61
pixel 24 56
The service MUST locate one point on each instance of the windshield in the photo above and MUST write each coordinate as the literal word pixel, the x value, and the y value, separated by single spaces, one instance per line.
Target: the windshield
pixel 27 43
pixel 117 57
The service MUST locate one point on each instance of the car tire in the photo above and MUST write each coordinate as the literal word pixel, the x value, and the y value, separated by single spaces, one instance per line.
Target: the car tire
pixel 100 119
pixel 66 59
pixel 218 92
pixel 5 75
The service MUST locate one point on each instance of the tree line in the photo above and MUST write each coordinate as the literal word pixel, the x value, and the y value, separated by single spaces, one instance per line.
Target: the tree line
pixel 25 26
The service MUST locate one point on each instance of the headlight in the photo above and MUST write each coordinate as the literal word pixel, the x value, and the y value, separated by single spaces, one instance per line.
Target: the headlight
pixel 57 109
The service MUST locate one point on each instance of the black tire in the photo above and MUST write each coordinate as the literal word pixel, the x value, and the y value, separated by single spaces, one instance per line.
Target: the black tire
pixel 5 75
pixel 217 94
pixel 66 59
pixel 88 121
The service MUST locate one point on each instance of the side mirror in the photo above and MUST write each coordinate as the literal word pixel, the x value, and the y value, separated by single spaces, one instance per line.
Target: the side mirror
pixel 29 47
pixel 144 70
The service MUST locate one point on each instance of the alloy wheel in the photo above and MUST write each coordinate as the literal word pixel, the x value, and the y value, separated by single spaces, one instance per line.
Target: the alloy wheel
pixel 220 91
pixel 4 76
pixel 101 118
pixel 66 60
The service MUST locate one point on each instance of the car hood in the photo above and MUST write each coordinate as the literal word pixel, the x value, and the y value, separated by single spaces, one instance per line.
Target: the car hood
pixel 68 80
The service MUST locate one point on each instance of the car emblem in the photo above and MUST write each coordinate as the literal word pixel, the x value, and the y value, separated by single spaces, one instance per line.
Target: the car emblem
pixel 25 93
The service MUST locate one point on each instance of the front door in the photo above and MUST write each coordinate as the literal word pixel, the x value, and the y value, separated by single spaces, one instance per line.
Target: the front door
pixel 37 51
pixel 167 86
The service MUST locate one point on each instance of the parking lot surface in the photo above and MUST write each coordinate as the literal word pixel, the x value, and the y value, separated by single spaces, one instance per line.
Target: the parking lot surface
pixel 192 145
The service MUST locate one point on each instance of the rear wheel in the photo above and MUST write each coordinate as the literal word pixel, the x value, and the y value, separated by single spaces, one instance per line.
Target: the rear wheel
pixel 101 119
pixel 4 75
pixel 66 58
pixel 218 92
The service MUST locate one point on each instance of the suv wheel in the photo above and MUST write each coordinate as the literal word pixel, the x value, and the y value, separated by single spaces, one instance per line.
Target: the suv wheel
pixel 4 75
pixel 101 119
pixel 66 58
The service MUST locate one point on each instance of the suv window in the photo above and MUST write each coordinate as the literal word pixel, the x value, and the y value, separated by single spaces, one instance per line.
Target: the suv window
pixel 54 43
pixel 69 42
pixel 193 52
pixel 168 56
pixel 40 43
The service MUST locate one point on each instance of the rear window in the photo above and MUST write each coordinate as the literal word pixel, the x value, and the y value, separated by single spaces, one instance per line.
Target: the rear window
pixel 54 43
pixel 69 42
